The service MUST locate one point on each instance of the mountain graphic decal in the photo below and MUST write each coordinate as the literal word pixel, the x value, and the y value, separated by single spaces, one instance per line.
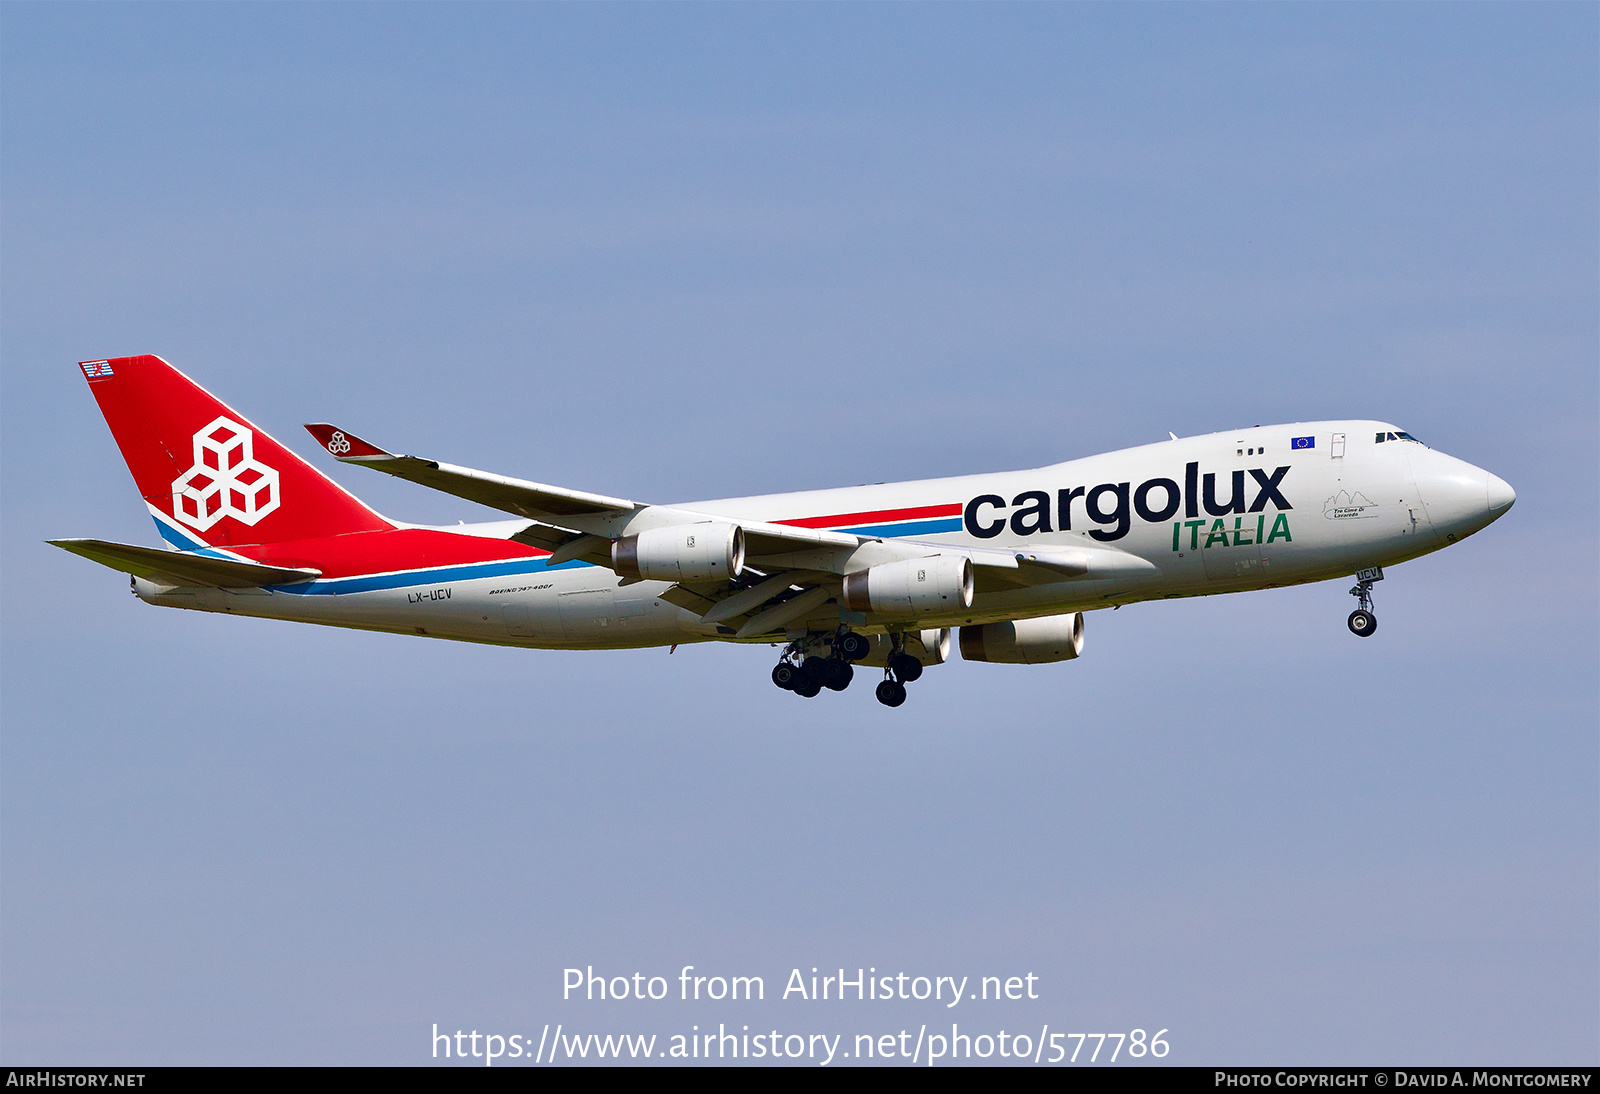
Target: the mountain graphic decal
pixel 1347 506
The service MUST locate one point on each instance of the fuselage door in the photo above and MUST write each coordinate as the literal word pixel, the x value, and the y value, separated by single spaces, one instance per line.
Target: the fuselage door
pixel 1229 544
pixel 633 604
pixel 588 614
pixel 519 619
pixel 1230 548
pixel 530 615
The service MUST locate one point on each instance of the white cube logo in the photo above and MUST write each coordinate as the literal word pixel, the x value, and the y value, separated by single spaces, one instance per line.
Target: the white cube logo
pixel 225 481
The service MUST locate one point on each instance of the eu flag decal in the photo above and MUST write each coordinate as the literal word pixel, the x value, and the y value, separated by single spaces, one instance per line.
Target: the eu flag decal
pixel 1302 442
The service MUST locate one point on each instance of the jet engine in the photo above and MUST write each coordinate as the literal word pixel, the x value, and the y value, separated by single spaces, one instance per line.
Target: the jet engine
pixel 711 551
pixel 1025 641
pixel 918 586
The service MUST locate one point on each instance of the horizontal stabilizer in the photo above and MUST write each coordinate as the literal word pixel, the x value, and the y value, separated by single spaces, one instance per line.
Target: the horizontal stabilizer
pixel 181 569
pixel 528 499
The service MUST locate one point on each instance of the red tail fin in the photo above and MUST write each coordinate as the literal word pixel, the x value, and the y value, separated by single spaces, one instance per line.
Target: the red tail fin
pixel 208 474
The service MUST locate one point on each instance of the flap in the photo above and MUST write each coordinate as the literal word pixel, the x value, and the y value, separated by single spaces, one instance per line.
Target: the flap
pixel 564 546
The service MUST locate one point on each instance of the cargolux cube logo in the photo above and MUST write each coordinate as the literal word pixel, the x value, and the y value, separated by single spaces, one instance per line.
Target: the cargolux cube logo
pixel 225 481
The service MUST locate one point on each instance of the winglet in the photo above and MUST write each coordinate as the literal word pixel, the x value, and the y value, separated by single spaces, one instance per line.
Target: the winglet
pixel 342 444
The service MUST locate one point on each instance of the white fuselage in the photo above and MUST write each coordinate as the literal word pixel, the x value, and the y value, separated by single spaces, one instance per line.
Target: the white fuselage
pixel 1239 510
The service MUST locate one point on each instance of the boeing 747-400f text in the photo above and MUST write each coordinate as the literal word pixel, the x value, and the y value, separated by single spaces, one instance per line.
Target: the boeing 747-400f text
pixel 863 576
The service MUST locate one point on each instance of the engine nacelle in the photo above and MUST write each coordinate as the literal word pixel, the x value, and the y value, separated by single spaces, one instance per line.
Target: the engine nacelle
pixel 919 586
pixel 1025 641
pixel 711 551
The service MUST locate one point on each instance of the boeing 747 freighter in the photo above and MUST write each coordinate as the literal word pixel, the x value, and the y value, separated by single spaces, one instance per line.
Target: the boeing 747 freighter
pixel 867 576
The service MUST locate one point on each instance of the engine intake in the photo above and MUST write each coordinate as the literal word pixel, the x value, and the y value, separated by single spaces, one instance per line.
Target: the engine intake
pixel 1025 641
pixel 919 586
pixel 684 552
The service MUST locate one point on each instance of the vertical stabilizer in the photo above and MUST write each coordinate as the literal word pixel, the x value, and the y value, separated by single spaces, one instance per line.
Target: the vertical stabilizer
pixel 209 475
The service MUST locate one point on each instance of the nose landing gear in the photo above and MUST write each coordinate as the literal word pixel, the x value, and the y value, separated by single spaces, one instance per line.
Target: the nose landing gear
pixel 1363 622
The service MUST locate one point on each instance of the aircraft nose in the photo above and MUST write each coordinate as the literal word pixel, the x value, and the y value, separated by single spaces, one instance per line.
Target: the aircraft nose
pixel 1501 496
pixel 1460 498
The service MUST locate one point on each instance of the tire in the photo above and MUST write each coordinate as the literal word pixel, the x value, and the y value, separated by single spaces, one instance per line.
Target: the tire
pixel 836 675
pixel 852 646
pixel 1363 623
pixel 891 694
pixel 808 678
pixel 906 669
pixel 783 675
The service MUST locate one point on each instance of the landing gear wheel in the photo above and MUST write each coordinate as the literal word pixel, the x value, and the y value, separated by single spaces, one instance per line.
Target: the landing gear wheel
pixel 852 646
pixel 1363 623
pixel 891 693
pixel 836 675
pixel 906 669
pixel 807 683
pixel 783 674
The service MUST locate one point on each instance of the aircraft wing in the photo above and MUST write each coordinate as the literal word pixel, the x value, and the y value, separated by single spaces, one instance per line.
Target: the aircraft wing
pixel 182 569
pixel 534 500
pixel 570 513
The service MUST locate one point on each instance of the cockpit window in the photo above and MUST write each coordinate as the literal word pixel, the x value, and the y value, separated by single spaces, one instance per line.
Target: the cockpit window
pixel 1396 436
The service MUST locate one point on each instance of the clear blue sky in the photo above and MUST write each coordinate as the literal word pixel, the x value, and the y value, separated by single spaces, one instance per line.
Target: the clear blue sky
pixel 682 251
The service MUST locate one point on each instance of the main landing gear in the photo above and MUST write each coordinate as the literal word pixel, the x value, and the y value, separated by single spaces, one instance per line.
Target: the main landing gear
pixel 901 670
pixel 1363 621
pixel 818 661
pixel 806 673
